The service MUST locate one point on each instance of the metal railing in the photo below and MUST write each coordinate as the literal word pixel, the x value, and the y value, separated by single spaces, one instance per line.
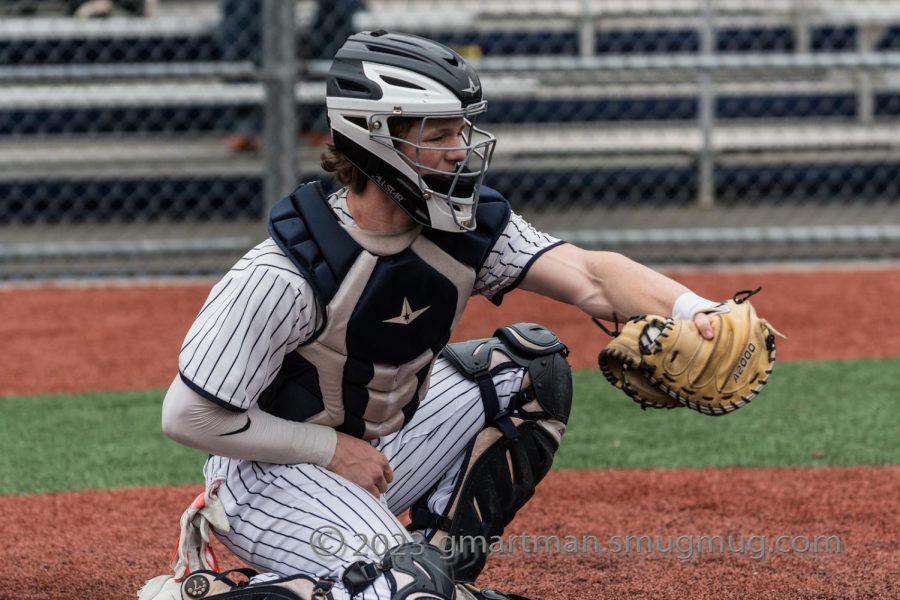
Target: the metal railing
pixel 110 166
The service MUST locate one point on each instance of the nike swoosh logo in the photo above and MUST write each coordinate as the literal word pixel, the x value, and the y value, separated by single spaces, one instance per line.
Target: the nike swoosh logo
pixel 407 315
pixel 236 431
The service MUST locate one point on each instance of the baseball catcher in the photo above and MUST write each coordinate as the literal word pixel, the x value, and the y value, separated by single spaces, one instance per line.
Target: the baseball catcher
pixel 318 376
pixel 665 363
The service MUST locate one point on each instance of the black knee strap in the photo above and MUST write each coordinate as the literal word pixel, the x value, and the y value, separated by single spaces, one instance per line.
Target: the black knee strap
pixel 473 359
pixel 527 345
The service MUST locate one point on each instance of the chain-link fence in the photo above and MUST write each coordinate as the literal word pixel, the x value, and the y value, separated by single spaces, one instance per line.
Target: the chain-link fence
pixel 144 137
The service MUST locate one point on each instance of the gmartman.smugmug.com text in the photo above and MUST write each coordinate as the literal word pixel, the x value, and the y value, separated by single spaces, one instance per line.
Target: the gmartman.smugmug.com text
pixel 683 547
pixel 330 541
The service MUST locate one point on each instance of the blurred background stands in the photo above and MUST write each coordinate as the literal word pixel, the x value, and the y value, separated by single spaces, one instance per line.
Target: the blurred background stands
pixel 674 130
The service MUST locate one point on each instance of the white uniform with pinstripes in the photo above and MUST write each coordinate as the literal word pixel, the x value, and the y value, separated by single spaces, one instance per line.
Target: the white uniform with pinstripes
pixel 262 310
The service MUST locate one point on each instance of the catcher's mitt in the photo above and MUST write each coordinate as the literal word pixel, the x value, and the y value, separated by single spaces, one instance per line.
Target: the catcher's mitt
pixel 665 363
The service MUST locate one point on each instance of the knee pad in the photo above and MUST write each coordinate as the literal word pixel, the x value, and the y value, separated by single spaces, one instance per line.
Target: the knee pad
pixel 505 461
pixel 548 378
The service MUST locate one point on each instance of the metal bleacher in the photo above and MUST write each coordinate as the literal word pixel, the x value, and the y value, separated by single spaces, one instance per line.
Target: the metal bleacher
pixel 112 132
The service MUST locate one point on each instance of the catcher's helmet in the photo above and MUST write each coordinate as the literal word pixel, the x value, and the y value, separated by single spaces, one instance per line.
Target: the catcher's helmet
pixel 379 75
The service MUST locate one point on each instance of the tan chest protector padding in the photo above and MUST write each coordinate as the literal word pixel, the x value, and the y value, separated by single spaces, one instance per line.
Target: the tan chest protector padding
pixel 390 303
pixel 398 303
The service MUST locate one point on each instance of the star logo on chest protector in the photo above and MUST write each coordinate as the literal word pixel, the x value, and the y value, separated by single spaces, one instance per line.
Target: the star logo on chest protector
pixel 407 315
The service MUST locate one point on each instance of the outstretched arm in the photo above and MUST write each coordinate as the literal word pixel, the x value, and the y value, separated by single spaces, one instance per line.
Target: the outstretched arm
pixel 608 285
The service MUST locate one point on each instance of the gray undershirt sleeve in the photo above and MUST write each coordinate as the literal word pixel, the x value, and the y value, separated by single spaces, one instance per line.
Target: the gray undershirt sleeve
pixel 192 420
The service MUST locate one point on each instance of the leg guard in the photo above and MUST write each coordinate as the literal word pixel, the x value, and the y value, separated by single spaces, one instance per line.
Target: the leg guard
pixel 419 571
pixel 506 461
pixel 465 591
pixel 413 570
pixel 218 586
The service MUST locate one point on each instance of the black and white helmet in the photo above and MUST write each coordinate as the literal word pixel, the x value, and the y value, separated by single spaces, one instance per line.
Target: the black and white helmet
pixel 379 75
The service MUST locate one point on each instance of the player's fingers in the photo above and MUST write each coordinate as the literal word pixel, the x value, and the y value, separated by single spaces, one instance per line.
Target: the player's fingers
pixel 388 472
pixel 372 484
pixel 704 325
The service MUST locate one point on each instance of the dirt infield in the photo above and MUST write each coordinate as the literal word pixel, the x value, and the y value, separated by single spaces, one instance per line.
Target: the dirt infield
pixel 64 339
pixel 841 524
pixel 102 544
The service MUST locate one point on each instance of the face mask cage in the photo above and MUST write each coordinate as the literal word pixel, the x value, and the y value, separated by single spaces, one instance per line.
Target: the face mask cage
pixel 456 189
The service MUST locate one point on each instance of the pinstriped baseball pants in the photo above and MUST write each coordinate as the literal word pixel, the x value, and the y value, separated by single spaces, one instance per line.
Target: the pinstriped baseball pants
pixel 289 519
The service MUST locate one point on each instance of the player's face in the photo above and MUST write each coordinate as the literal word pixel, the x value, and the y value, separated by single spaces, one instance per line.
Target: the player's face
pixel 440 143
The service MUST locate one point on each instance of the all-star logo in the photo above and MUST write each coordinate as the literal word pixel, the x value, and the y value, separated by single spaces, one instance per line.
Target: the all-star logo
pixel 407 314
pixel 473 87
pixel 389 189
pixel 195 586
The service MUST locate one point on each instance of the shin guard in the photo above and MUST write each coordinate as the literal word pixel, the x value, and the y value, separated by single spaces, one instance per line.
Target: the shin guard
pixel 506 460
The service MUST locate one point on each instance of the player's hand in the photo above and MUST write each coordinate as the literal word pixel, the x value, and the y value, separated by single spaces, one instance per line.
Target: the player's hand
pixel 358 461
pixel 701 320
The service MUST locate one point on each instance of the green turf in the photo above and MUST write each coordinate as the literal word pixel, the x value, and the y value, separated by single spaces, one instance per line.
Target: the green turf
pixel 817 413
pixel 810 413
pixel 79 441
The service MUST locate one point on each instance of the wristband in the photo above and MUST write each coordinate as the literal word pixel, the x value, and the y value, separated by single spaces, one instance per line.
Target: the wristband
pixel 689 304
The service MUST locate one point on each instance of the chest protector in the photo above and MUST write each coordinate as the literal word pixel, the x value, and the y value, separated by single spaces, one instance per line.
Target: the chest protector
pixel 389 305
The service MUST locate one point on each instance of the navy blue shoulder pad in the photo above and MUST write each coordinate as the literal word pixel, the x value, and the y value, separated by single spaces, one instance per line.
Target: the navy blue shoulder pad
pixel 306 230
pixel 472 247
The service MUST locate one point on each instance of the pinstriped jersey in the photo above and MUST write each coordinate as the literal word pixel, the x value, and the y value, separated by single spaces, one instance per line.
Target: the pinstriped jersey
pixel 250 329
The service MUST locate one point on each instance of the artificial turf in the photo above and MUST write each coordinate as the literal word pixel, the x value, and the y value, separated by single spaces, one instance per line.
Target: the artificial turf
pixel 810 414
